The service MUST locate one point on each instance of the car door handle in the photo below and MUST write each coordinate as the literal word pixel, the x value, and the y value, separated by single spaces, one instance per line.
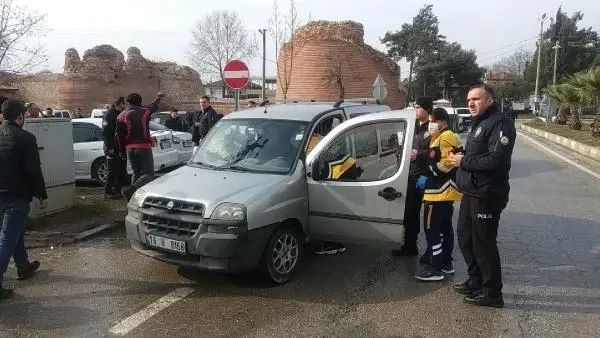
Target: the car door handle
pixel 389 194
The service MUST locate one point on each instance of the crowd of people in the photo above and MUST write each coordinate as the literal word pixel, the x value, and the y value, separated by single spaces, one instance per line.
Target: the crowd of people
pixel 441 173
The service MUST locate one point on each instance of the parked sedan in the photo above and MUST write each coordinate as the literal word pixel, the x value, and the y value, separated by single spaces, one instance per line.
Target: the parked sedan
pixel 182 141
pixel 88 150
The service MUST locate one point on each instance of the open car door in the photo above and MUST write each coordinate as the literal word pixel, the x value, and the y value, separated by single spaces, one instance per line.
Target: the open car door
pixel 357 180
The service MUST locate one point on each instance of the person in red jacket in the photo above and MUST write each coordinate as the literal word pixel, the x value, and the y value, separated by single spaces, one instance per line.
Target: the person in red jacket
pixel 133 139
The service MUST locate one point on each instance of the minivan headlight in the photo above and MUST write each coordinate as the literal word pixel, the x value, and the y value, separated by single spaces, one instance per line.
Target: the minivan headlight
pixel 229 212
pixel 138 198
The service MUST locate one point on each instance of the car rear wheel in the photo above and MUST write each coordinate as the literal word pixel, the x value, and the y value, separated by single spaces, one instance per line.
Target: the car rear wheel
pixel 283 255
pixel 100 171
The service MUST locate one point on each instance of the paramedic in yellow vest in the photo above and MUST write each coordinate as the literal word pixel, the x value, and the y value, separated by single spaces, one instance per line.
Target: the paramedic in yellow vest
pixel 344 168
pixel 441 191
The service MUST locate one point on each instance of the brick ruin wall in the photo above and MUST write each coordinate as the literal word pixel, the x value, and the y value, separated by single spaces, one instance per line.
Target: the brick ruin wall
pixel 326 47
pixel 104 74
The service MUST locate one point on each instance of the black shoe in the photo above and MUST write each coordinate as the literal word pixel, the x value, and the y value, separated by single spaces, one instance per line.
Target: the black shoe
pixel 330 248
pixel 26 273
pixel 429 274
pixel 5 293
pixel 482 299
pixel 405 252
pixel 448 268
pixel 465 288
pixel 112 196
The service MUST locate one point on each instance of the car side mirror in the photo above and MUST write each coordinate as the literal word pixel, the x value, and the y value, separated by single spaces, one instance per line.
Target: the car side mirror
pixel 314 170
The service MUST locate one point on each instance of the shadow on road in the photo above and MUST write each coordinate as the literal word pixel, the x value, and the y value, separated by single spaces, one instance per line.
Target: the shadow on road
pixel 550 262
pixel 522 168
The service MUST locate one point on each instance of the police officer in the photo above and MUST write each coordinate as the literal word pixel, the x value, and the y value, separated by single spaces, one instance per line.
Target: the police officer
pixel 414 195
pixel 483 179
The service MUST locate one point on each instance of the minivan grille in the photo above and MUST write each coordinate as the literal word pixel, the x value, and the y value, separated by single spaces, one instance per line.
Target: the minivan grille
pixel 182 207
pixel 170 226
pixel 176 217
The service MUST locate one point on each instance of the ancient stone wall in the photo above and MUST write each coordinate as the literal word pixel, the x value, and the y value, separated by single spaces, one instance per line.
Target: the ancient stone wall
pixel 324 56
pixel 104 74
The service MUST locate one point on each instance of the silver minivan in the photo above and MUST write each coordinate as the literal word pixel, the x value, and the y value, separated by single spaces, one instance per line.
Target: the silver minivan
pixel 251 196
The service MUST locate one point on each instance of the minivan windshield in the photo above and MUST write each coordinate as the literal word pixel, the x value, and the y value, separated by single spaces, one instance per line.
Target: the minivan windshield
pixel 252 145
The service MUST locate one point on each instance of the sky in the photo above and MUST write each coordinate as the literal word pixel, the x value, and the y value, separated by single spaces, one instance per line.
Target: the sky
pixel 162 29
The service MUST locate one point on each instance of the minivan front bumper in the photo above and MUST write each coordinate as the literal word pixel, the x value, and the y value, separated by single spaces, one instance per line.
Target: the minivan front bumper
pixel 219 252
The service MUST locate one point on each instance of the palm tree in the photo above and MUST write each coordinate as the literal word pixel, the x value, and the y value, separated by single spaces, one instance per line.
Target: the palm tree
pixel 555 93
pixel 588 86
pixel 571 97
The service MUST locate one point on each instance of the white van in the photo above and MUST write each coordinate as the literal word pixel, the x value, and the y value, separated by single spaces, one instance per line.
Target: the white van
pixel 98 113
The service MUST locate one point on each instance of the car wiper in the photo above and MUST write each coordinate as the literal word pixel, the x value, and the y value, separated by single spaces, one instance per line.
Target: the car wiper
pixel 236 168
pixel 203 164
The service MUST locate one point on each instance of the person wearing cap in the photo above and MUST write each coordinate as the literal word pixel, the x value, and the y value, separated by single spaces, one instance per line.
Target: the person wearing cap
pixel 414 196
pixel 116 162
pixel 440 193
pixel 21 179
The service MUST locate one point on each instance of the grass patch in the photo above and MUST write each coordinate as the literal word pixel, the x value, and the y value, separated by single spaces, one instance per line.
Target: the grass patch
pixel 584 135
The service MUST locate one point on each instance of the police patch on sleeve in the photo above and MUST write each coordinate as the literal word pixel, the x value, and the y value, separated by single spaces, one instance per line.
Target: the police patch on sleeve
pixel 504 140
pixel 105 123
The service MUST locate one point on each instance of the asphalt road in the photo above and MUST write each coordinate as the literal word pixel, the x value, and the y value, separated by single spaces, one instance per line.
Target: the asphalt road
pixel 549 242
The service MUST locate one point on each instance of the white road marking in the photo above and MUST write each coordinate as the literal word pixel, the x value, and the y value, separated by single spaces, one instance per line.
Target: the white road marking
pixel 135 320
pixel 555 154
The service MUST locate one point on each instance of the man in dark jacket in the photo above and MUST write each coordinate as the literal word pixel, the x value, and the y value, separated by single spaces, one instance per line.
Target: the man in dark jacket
pixel 21 179
pixel 133 138
pixel 482 177
pixel 203 120
pixel 173 122
pixel 116 163
pixel 414 195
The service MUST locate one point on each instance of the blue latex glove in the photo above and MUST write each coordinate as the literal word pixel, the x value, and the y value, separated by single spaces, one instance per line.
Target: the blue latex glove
pixel 421 182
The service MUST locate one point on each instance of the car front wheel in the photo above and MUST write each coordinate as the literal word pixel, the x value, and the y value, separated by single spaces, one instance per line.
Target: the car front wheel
pixel 100 171
pixel 283 255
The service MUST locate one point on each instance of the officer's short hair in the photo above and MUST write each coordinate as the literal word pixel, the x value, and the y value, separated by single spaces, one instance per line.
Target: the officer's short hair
pixel 134 99
pixel 12 109
pixel 489 90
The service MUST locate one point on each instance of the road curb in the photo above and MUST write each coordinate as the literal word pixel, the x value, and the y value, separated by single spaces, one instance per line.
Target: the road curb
pixel 45 239
pixel 78 237
pixel 583 149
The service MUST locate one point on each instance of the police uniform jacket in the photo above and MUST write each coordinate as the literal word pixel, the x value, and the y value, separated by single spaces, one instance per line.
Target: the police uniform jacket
pixel 421 142
pixel 484 169
pixel 441 185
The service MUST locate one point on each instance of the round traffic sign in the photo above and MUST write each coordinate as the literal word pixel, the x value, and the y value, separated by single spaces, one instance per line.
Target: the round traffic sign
pixel 236 74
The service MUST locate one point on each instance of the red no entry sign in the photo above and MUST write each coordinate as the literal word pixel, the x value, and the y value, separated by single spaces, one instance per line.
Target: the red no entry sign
pixel 236 74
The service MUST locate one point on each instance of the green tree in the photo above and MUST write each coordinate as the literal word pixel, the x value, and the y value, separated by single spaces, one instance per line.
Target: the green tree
pixel 414 40
pixel 448 72
pixel 579 49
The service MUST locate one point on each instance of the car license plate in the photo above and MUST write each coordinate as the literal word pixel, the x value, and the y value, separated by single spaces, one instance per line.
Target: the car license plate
pixel 165 144
pixel 166 243
pixel 188 144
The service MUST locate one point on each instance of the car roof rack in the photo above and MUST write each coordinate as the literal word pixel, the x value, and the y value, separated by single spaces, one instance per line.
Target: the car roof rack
pixel 357 100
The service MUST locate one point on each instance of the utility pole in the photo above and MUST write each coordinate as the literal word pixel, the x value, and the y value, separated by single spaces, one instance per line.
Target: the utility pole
pixel 537 77
pixel 556 47
pixel 263 32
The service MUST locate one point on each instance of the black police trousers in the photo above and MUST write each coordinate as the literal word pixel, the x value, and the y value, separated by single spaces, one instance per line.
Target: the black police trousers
pixel 477 231
pixel 116 175
pixel 412 214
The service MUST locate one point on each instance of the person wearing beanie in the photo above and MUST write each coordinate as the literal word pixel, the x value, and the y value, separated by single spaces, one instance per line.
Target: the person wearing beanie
pixel 440 193
pixel 21 179
pixel 414 196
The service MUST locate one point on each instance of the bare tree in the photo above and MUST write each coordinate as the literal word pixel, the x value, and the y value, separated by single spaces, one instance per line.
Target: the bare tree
pixel 20 29
pixel 218 38
pixel 277 29
pixel 514 64
pixel 284 74
pixel 337 72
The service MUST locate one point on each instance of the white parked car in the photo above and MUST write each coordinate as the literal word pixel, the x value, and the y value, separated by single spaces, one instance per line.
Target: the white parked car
pixel 181 140
pixel 88 147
